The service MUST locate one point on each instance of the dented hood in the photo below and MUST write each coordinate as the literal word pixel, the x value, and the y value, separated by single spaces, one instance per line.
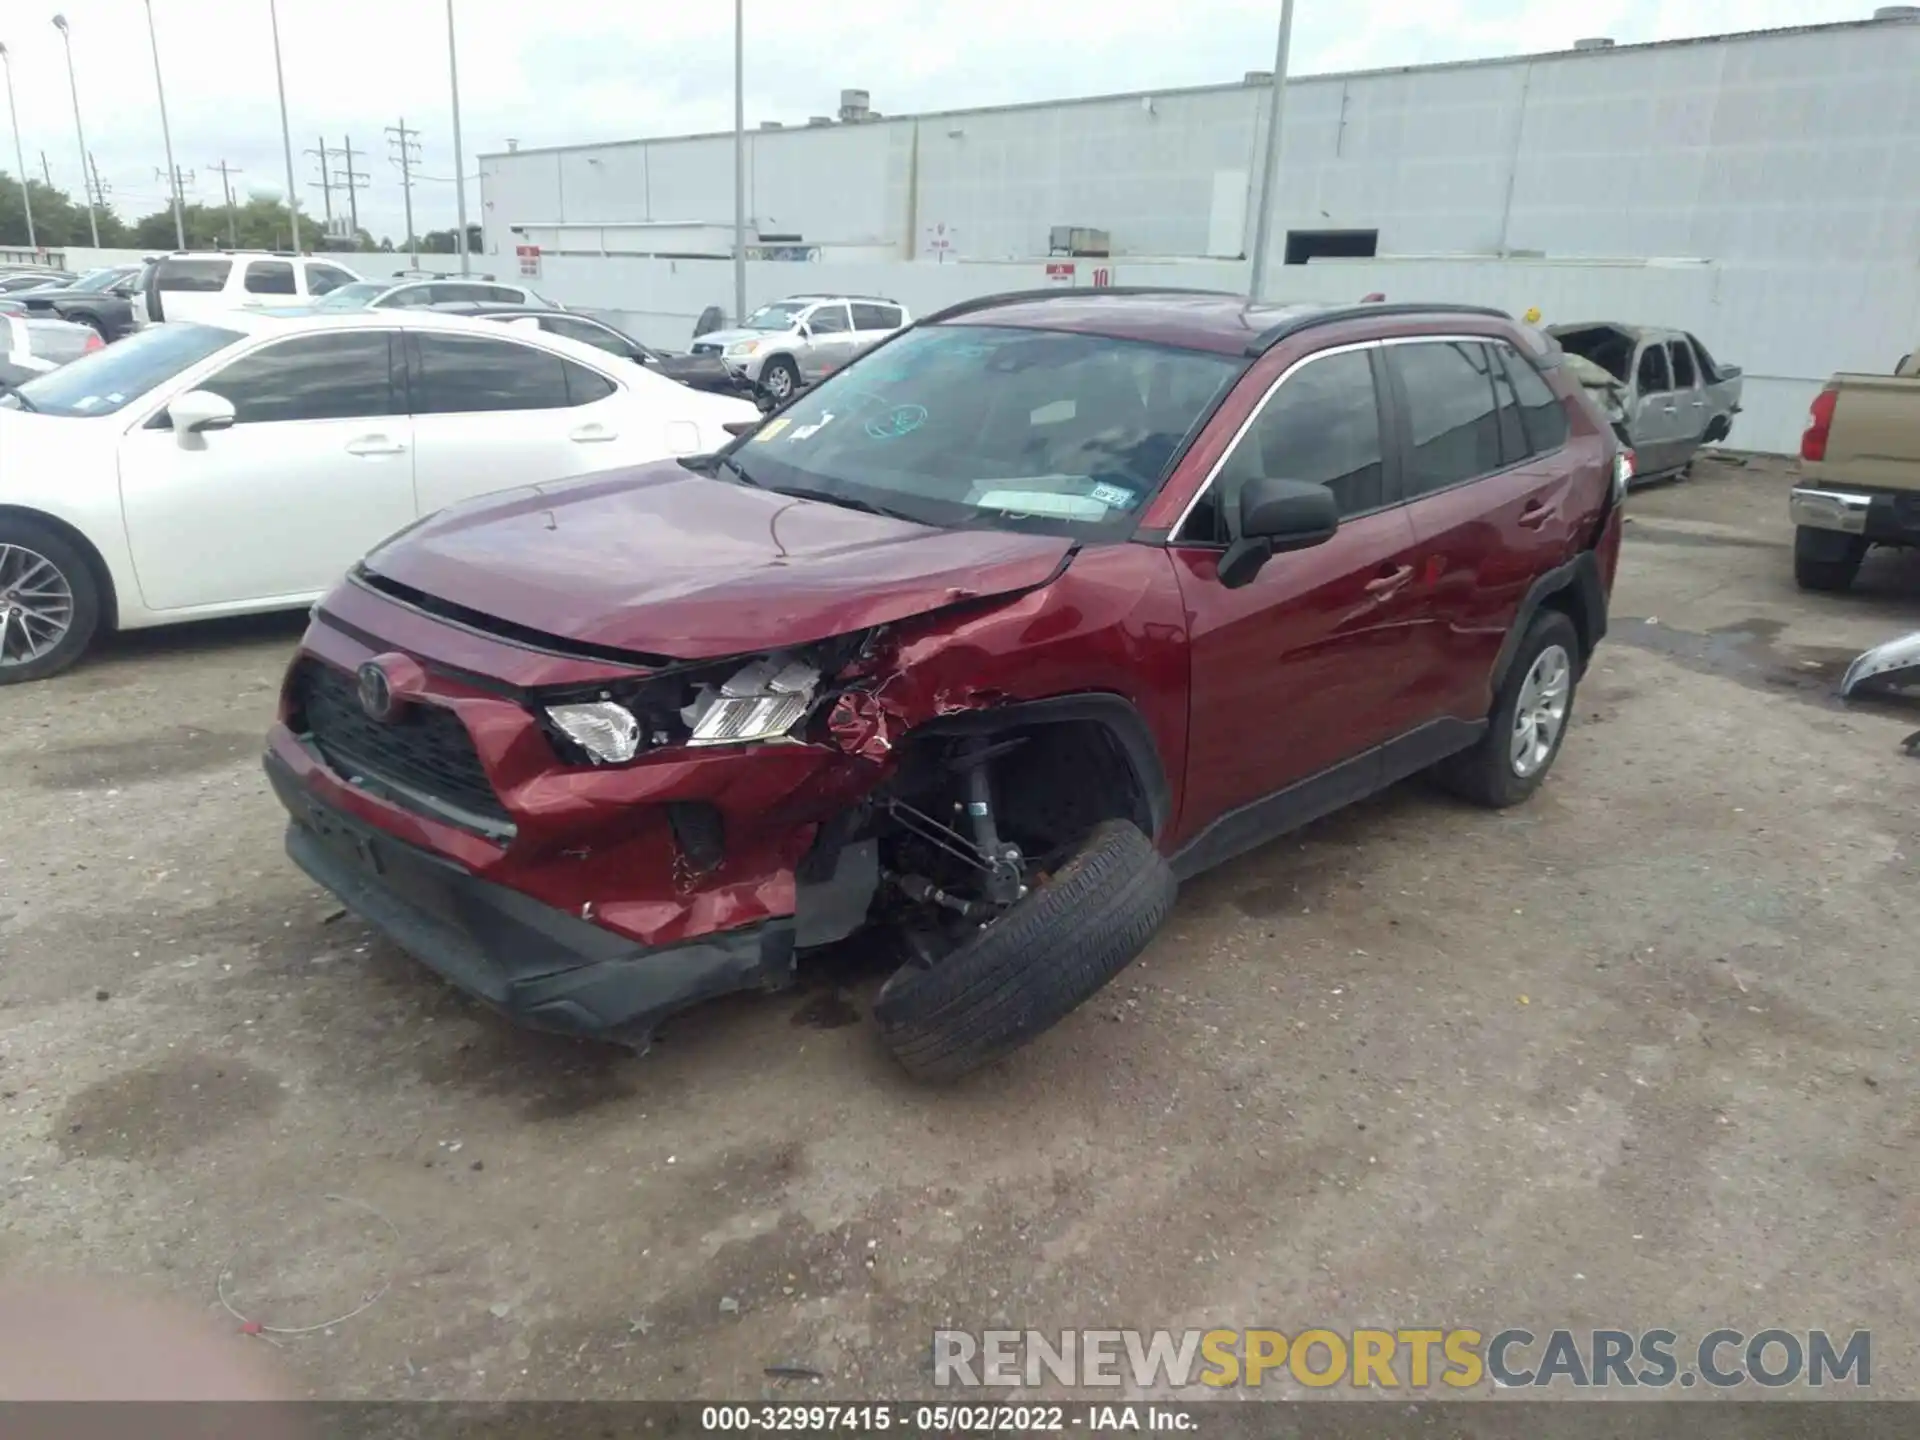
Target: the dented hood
pixel 661 561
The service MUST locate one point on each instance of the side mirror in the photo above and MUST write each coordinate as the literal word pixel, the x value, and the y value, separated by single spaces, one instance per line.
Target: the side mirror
pixel 742 427
pixel 803 330
pixel 199 411
pixel 1276 516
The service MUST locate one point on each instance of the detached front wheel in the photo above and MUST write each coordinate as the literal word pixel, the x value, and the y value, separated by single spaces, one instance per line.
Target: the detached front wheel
pixel 1028 968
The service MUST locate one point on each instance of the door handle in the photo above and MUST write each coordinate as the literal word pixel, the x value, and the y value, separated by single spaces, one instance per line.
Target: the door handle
pixel 1536 513
pixel 592 434
pixel 1389 582
pixel 375 445
pixel 1699 404
pixel 1670 409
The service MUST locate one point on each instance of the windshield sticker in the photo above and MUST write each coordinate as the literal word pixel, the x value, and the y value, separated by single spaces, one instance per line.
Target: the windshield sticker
pixel 87 403
pixel 771 429
pixel 1117 497
pixel 901 420
pixel 814 429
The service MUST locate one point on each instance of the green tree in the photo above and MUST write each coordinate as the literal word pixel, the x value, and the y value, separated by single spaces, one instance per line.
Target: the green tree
pixel 260 222
pixel 57 219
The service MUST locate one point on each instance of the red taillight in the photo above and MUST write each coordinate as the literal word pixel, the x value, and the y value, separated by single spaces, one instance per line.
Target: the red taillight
pixel 94 342
pixel 1813 444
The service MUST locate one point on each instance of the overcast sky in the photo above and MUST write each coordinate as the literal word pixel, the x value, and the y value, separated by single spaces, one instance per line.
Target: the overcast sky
pixel 560 73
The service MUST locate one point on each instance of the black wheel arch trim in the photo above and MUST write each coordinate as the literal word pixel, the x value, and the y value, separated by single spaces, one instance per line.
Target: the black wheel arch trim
pixel 1581 575
pixel 1116 714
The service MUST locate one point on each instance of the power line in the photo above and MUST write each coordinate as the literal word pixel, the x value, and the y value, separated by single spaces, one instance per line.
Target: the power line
pixel 97 189
pixel 227 172
pixel 177 184
pixel 405 145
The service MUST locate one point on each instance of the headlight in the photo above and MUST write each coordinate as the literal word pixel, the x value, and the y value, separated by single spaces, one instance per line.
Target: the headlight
pixel 1623 463
pixel 605 730
pixel 743 347
pixel 762 701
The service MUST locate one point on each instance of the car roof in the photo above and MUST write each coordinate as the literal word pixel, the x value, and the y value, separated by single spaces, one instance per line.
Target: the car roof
pixel 1216 320
pixel 306 317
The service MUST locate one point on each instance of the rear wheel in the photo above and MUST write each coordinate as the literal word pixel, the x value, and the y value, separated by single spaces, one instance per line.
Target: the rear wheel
pixel 1024 970
pixel 83 317
pixel 1826 559
pixel 49 602
pixel 1528 723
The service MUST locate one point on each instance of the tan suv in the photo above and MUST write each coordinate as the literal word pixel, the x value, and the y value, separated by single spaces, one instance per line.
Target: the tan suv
pixel 1859 474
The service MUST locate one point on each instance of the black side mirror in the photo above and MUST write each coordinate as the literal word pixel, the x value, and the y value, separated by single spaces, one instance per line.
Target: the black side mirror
pixel 740 427
pixel 1276 516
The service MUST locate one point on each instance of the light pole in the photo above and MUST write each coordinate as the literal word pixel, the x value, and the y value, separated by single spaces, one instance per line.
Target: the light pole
pixel 86 165
pixel 739 164
pixel 166 133
pixel 19 155
pixel 459 165
pixel 286 134
pixel 1270 161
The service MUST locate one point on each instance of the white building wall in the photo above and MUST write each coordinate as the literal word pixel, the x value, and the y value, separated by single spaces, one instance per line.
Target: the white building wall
pixel 1799 145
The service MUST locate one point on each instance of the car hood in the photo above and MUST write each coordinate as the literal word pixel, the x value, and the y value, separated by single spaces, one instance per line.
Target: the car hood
pixel 662 561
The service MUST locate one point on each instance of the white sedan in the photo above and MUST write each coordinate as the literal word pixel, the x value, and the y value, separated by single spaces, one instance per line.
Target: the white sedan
pixel 194 470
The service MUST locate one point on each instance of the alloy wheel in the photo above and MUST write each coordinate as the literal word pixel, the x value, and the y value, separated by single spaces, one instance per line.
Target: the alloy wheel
pixel 36 605
pixel 1542 712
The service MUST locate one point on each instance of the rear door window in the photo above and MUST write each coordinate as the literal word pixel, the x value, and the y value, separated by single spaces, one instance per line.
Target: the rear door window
pixel 464 374
pixel 270 277
pixel 871 315
pixel 1684 377
pixel 194 276
pixel 1452 419
pixel 1541 411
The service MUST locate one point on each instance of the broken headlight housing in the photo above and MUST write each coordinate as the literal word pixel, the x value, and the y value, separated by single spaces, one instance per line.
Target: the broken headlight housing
pixel 763 700
pixel 730 702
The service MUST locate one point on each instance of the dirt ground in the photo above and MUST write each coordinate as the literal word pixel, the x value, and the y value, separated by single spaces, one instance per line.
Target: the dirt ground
pixel 1637 1054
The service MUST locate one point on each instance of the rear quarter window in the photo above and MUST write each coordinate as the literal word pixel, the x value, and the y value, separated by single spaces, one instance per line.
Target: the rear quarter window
pixel 195 276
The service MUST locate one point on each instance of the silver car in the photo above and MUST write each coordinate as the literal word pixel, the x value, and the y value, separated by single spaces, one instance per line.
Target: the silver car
pixel 1672 396
pixel 794 342
pixel 33 345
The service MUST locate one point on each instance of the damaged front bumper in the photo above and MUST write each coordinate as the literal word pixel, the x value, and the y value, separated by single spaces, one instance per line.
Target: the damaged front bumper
pixel 541 966
pixel 1896 661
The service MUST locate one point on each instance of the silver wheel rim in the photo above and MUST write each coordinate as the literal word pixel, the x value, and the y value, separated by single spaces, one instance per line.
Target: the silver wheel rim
pixel 36 605
pixel 1542 712
pixel 779 382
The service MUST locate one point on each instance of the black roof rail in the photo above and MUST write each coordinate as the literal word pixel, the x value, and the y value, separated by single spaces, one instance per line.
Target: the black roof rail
pixel 1017 297
pixel 1366 310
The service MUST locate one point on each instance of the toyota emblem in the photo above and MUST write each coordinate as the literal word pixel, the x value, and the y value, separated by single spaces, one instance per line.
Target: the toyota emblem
pixel 376 693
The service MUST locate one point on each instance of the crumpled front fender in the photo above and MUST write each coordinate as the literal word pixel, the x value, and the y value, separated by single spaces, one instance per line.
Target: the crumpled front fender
pixel 1884 661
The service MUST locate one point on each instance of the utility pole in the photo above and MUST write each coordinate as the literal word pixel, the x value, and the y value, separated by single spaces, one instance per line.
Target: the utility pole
pixel 46 170
pixel 286 132
pixel 226 188
pixel 19 156
pixel 98 189
pixel 351 180
pixel 177 184
pixel 740 163
pixel 459 165
pixel 405 144
pixel 325 186
pixel 1270 160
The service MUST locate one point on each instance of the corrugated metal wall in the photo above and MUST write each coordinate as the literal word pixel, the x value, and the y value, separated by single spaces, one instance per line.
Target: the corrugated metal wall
pixel 1794 146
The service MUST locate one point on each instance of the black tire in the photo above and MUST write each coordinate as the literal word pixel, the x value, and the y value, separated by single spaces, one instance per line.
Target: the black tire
pixel 1486 774
pixel 74 568
pixel 1025 971
pixel 780 366
pixel 1826 560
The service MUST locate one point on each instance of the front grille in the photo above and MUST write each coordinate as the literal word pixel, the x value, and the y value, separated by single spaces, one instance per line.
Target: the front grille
pixel 701 348
pixel 426 749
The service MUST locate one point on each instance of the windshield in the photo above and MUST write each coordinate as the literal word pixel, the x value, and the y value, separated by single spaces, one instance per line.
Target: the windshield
pixel 356 296
pixel 778 316
pixel 973 424
pixel 98 279
pixel 113 378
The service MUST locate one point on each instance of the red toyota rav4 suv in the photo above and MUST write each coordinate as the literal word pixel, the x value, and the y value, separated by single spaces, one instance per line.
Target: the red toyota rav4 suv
pixel 1042 604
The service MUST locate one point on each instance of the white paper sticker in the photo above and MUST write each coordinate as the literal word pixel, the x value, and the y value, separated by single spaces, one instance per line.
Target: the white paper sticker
pixel 805 430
